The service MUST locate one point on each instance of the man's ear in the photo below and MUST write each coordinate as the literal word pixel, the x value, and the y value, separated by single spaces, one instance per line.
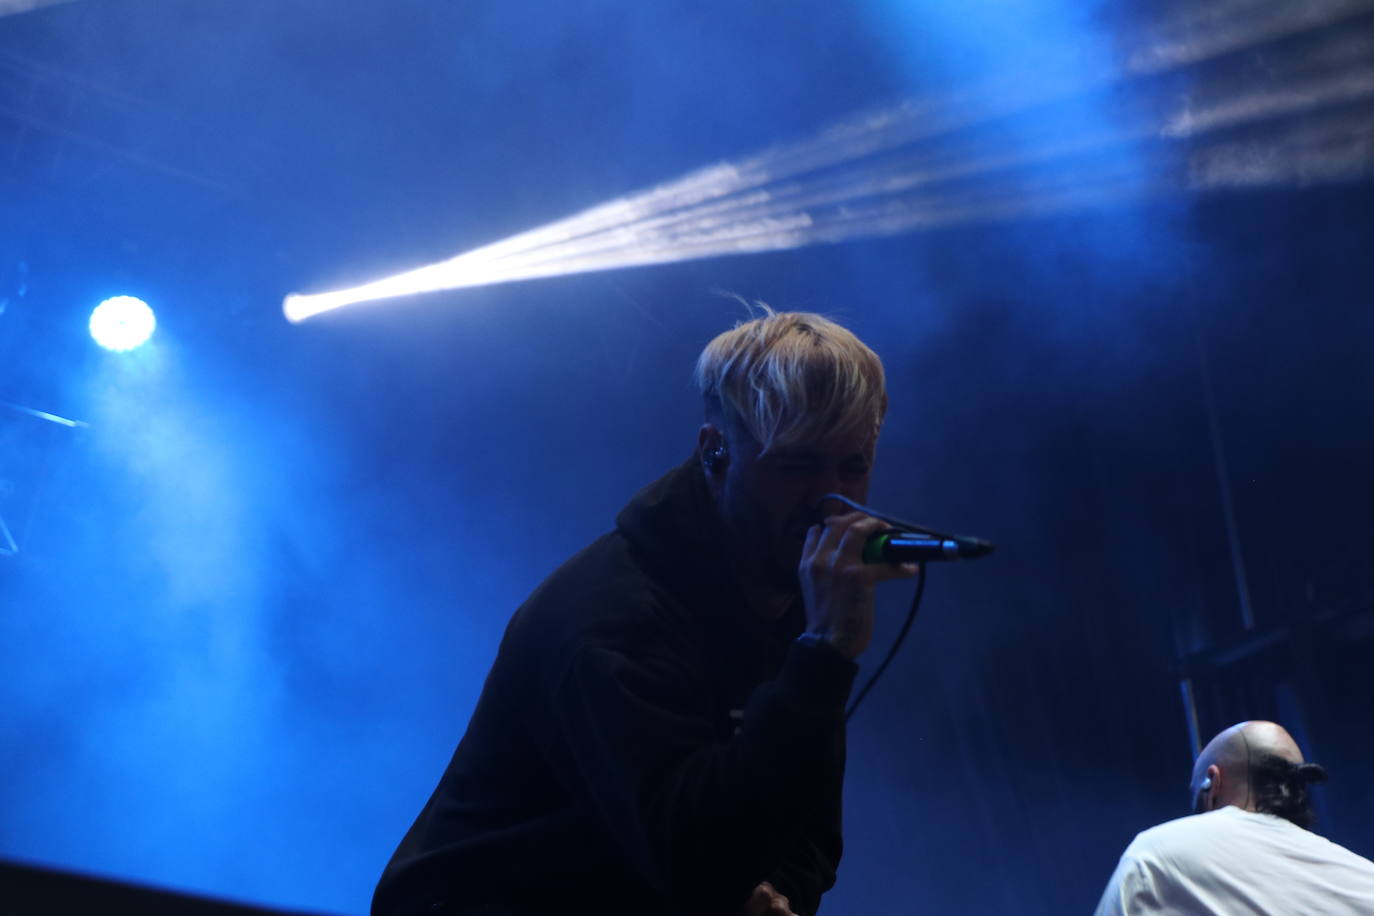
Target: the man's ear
pixel 712 453
pixel 1212 779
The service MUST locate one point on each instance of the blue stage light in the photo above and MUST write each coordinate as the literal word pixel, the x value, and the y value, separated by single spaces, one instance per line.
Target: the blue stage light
pixel 122 323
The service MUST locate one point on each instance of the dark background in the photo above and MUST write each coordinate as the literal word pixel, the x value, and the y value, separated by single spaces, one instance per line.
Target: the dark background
pixel 257 594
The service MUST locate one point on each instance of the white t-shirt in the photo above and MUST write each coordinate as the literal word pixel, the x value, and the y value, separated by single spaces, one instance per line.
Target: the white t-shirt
pixel 1236 862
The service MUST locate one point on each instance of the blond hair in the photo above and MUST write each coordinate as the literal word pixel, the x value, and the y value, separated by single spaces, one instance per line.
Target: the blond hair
pixel 792 377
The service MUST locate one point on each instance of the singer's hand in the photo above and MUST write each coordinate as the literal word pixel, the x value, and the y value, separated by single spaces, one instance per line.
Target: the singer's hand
pixel 837 585
pixel 766 901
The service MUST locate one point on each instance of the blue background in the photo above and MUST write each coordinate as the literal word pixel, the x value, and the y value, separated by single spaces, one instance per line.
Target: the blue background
pixel 257 595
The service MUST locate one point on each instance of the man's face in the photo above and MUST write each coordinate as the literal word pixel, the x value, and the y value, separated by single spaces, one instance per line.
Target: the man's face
pixel 769 500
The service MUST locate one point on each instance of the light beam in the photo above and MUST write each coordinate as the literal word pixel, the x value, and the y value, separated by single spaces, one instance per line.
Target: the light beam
pixel 1301 112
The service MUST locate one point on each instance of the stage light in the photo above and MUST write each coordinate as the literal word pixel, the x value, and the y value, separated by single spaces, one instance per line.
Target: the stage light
pixel 1098 128
pixel 122 323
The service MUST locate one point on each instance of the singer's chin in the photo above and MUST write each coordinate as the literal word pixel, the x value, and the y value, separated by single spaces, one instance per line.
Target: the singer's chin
pixel 783 570
pixel 785 581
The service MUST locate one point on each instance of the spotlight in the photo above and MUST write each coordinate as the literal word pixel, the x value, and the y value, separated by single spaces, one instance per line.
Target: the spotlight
pixel 1234 94
pixel 122 323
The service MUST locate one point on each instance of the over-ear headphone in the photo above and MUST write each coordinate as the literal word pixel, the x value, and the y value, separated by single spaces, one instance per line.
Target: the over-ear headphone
pixel 715 458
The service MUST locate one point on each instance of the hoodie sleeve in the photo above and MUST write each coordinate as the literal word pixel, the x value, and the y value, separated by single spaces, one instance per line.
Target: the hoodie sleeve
pixel 807 871
pixel 705 819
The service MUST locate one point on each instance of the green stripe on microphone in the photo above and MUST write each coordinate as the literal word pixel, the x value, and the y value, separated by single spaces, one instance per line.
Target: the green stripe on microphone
pixel 873 549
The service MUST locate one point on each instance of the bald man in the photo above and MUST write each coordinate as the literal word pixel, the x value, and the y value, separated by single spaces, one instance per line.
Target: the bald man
pixel 1248 848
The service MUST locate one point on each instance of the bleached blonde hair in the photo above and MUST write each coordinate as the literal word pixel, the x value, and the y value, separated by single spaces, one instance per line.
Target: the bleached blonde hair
pixel 788 378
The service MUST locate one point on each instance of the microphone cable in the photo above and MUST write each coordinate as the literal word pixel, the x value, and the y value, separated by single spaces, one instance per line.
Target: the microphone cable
pixel 896 644
pixel 890 519
pixel 915 599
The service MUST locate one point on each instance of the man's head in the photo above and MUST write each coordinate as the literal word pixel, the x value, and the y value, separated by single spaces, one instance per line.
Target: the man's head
pixel 1256 766
pixel 794 403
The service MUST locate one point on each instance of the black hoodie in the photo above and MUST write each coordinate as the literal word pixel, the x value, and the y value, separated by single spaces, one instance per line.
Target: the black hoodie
pixel 643 745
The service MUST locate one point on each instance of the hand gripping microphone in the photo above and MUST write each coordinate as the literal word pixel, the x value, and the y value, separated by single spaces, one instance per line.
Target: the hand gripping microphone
pixel 905 542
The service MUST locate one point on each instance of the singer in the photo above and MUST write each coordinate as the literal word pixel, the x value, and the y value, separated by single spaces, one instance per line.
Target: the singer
pixel 662 731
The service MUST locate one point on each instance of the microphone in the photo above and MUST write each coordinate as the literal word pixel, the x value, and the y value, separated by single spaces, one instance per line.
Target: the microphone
pixel 897 546
pixel 912 543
